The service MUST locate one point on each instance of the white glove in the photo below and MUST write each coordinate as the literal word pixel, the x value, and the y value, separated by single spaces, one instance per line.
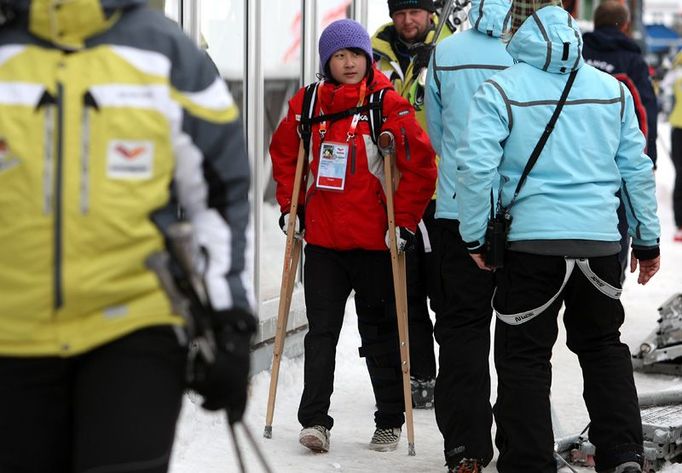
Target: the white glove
pixel 298 225
pixel 405 239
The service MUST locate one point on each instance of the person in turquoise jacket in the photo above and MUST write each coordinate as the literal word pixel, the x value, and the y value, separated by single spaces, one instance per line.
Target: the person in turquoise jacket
pixel 459 65
pixel 563 239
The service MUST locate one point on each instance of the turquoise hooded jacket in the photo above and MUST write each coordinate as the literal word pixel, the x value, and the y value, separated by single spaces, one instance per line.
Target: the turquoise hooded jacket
pixel 595 149
pixel 459 65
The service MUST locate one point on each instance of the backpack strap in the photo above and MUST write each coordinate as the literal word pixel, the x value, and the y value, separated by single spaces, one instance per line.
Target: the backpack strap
pixel 307 112
pixel 376 119
pixel 308 118
pixel 332 117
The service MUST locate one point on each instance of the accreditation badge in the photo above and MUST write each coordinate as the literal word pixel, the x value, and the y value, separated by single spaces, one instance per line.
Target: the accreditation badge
pixel 331 173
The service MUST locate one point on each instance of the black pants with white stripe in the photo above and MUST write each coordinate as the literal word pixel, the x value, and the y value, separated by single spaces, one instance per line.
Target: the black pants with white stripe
pixel 522 358
pixel 111 410
pixel 462 397
pixel 329 278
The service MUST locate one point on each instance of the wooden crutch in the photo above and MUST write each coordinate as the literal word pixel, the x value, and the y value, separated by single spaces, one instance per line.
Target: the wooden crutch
pixel 386 144
pixel 292 254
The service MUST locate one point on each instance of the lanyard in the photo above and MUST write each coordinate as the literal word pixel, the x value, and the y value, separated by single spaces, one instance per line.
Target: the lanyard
pixel 356 117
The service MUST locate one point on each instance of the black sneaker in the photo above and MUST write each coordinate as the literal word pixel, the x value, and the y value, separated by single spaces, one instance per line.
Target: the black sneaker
pixel 385 440
pixel 422 392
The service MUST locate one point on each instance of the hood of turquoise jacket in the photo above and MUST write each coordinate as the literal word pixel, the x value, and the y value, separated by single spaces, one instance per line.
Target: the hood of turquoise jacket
pixel 68 23
pixel 550 40
pixel 490 17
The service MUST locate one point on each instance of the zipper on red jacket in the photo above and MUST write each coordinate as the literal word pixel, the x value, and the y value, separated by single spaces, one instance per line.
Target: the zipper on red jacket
pixel 353 152
pixel 58 210
pixel 408 155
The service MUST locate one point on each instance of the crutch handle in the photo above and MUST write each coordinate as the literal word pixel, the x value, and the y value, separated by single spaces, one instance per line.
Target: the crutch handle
pixel 386 142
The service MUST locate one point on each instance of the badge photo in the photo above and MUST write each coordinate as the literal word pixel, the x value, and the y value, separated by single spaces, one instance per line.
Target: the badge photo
pixel 331 174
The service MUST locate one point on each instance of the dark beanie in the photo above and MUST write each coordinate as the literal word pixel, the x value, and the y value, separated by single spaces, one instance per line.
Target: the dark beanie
pixel 397 5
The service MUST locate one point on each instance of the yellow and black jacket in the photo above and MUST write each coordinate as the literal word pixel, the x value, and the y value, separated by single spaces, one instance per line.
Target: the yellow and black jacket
pixel 400 70
pixel 110 121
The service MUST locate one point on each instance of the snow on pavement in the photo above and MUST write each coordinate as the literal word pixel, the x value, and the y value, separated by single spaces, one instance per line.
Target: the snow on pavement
pixel 203 444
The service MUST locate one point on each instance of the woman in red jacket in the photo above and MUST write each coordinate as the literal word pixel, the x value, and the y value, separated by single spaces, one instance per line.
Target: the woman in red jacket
pixel 346 225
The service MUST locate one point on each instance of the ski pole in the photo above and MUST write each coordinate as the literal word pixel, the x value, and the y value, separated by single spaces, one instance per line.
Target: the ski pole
pixel 386 144
pixel 235 444
pixel 256 448
pixel 183 247
pixel 252 441
pixel 292 253
pixel 445 12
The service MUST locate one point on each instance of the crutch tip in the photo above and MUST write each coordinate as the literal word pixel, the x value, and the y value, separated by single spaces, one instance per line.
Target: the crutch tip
pixel 267 433
pixel 410 449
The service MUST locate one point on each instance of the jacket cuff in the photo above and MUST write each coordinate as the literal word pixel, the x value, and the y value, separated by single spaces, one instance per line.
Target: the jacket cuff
pixel 646 253
pixel 475 247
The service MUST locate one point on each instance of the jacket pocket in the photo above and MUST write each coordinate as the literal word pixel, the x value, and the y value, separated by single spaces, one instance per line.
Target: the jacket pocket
pixel 27 160
pixel 127 160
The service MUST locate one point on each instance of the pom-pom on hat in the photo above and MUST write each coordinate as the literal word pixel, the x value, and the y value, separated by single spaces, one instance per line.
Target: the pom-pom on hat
pixel 397 5
pixel 343 34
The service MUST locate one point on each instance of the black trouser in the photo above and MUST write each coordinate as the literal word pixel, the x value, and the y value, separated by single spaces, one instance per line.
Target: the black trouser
pixel 329 278
pixel 676 155
pixel 462 397
pixel 522 357
pixel 423 281
pixel 112 409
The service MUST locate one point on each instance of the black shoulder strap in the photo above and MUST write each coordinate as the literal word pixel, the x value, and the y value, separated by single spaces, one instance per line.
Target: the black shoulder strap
pixel 308 117
pixel 307 112
pixel 545 136
pixel 376 119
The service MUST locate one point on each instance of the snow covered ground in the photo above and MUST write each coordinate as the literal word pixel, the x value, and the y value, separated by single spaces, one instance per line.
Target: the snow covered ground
pixel 203 444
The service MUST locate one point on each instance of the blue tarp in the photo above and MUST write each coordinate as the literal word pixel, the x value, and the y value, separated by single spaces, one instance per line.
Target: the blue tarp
pixel 660 38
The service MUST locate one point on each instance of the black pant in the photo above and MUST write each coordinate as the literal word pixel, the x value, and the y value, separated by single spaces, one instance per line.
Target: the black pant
pixel 462 397
pixel 329 278
pixel 522 357
pixel 112 409
pixel 423 281
pixel 676 155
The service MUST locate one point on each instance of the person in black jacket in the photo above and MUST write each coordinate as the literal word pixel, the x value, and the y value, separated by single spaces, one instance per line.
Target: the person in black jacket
pixel 610 49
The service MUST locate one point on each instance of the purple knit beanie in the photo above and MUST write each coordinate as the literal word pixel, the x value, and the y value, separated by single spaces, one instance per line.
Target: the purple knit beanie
pixel 343 34
pixel 397 5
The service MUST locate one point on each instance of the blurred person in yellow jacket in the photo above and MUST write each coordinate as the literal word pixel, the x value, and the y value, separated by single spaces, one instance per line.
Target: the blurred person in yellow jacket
pixel 402 49
pixel 112 125
pixel 672 83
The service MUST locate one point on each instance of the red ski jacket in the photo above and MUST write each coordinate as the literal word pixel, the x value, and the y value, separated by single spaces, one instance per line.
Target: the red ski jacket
pixel 355 217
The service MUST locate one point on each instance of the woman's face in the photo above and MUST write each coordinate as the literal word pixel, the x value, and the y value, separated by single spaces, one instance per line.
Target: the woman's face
pixel 348 67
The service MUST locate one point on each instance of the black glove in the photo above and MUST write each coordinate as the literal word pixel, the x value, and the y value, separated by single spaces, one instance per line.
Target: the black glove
pixel 300 222
pixel 406 240
pixel 422 56
pixel 223 383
